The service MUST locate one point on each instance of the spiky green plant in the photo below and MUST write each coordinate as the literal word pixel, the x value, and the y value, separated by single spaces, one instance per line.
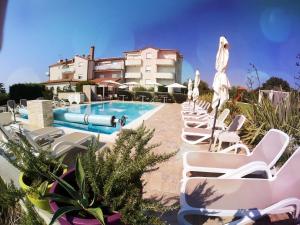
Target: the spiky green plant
pixel 11 212
pixel 115 175
pixel 265 116
pixel 78 198
pixel 35 163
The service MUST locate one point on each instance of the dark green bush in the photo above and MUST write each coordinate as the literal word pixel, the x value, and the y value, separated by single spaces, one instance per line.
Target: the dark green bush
pixel 27 91
pixel 3 98
pixel 128 95
pixel 148 96
pixel 179 98
pixel 162 89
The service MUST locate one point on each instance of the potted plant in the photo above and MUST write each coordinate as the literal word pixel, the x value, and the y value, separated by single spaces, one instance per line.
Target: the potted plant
pixel 72 195
pixel 110 180
pixel 10 209
pixel 35 166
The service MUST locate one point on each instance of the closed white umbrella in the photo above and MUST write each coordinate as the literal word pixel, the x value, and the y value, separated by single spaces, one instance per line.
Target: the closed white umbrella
pixel 221 83
pixel 176 85
pixel 196 84
pixel 190 89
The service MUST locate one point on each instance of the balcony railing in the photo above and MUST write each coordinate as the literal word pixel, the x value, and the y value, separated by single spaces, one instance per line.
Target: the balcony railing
pixel 133 62
pixel 164 75
pixel 68 70
pixel 165 62
pixel 109 67
pixel 132 75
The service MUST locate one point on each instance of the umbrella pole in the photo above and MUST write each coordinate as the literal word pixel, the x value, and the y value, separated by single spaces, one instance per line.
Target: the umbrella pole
pixel 214 125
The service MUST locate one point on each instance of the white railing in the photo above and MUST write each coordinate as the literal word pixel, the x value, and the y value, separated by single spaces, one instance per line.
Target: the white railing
pixel 68 70
pixel 133 62
pixel 109 67
pixel 132 75
pixel 165 62
pixel 164 75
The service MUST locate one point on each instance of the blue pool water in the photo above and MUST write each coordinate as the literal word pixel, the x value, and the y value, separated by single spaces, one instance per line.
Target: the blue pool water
pixel 132 111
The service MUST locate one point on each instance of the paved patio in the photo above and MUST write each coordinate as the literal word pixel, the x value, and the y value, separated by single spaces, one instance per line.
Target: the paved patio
pixel 164 183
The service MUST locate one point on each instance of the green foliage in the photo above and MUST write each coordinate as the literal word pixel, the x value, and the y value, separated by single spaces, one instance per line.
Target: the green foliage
pixel 115 175
pixel 148 95
pixel 276 83
pixel 179 98
pixel 203 87
pixel 264 116
pixel 30 217
pixel 206 97
pixel 162 89
pixel 27 91
pixel 139 88
pixel 2 89
pixel 78 198
pixel 128 95
pixel 3 99
pixel 35 163
pixel 80 84
pixel 9 207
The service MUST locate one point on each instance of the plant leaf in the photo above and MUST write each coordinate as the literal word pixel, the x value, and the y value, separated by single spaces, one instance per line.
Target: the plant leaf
pixel 62 199
pixel 66 186
pixel 42 188
pixel 61 211
pixel 80 176
pixel 97 213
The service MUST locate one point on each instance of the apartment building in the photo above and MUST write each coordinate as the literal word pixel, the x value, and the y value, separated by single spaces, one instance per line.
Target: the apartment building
pixel 146 67
pixel 152 65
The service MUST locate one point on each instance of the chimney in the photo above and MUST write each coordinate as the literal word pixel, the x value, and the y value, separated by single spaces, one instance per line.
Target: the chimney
pixel 92 52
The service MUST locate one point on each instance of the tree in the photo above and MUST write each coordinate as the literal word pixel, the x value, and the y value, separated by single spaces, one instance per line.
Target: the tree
pixel 2 88
pixel 203 87
pixel 297 76
pixel 276 83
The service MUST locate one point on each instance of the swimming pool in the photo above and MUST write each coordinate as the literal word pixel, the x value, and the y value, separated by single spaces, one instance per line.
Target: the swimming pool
pixel 131 111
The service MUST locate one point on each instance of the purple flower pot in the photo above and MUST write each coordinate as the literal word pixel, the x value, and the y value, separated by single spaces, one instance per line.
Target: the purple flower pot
pixel 114 219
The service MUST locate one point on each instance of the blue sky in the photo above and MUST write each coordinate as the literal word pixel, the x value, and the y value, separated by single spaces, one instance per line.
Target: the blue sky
pixel 264 32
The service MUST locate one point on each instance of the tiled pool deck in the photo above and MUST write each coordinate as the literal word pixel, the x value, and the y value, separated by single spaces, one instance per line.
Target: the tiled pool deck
pixel 164 183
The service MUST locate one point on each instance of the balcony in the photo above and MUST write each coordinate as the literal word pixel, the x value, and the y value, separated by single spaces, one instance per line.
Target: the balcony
pixel 68 70
pixel 165 62
pixel 133 62
pixel 109 67
pixel 133 75
pixel 164 75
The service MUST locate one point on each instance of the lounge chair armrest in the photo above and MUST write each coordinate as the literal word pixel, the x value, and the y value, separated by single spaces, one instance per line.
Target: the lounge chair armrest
pixel 286 205
pixel 236 146
pixel 248 169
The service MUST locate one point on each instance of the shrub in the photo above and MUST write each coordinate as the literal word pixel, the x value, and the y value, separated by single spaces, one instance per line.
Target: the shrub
pixel 116 175
pixel 264 116
pixel 27 91
pixel 80 84
pixel 139 88
pixel 148 95
pixel 128 95
pixel 3 99
pixel 162 89
pixel 207 96
pixel 179 98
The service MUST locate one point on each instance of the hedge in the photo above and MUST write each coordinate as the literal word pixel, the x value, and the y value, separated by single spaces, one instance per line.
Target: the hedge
pixel 179 98
pixel 128 95
pixel 28 91
pixel 3 98
pixel 148 96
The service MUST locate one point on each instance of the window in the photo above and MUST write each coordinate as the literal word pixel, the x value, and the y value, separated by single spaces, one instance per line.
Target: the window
pixel 148 69
pixel 115 75
pixel 149 56
pixel 79 77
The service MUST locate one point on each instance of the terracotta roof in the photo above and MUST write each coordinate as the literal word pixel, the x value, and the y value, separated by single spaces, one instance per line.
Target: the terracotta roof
pixel 62 81
pixel 99 80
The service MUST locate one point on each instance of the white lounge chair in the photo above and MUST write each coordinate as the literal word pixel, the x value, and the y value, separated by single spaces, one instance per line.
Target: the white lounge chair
pixel 244 199
pixel 268 150
pixel 208 121
pixel 197 135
